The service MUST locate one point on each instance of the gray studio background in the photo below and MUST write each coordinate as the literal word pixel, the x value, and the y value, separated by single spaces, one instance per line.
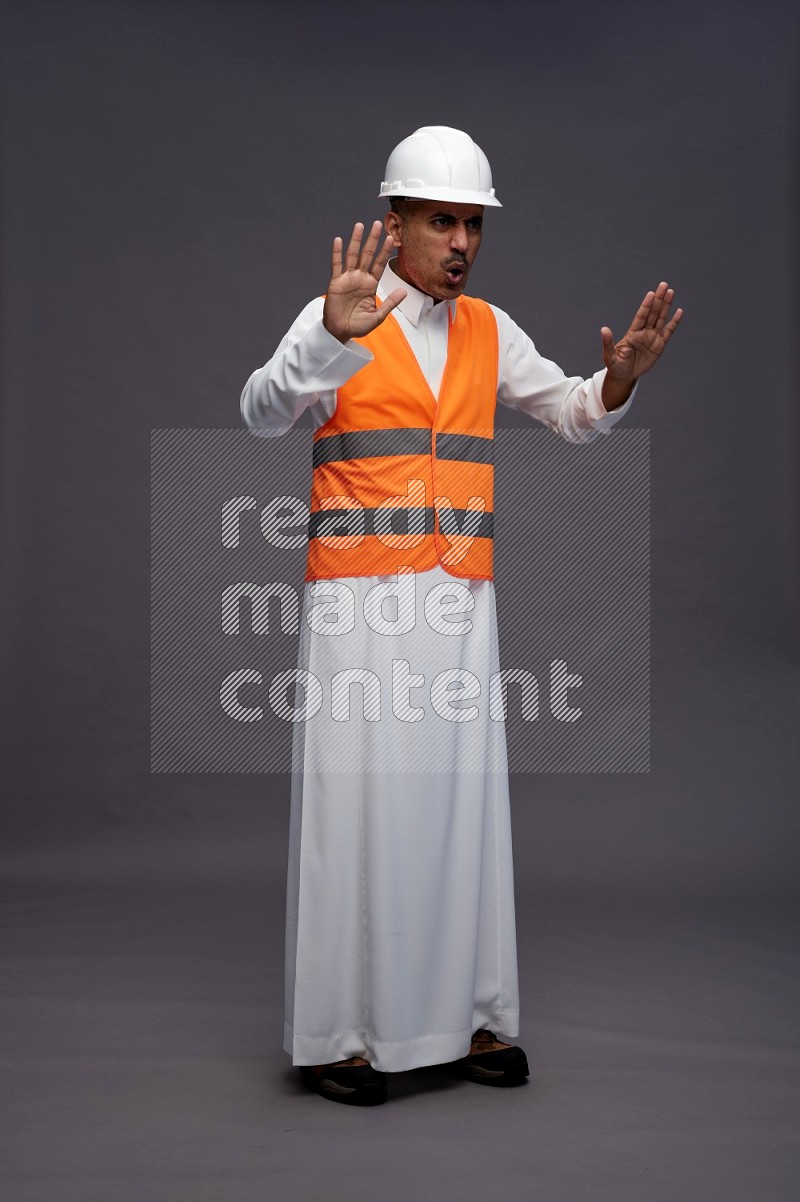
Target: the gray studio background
pixel 172 177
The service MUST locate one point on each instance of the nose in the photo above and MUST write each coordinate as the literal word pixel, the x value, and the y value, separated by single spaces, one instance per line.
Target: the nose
pixel 459 240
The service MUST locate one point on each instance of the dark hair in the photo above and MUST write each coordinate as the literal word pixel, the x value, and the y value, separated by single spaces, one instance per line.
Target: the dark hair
pixel 399 204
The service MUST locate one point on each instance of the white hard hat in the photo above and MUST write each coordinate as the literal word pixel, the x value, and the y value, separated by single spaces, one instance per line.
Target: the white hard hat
pixel 439 163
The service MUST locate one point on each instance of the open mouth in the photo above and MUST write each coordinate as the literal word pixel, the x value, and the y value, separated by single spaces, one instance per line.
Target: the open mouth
pixel 455 274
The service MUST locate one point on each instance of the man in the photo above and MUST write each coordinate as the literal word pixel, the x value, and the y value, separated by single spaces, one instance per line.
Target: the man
pixel 400 935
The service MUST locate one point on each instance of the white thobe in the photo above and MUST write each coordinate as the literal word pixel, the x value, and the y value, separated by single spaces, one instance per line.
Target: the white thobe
pixel 400 926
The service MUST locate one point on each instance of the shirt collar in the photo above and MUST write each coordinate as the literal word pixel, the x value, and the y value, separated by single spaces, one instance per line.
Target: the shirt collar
pixel 415 305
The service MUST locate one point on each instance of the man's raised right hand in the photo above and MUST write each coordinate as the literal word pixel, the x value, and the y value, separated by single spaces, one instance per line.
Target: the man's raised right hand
pixel 350 309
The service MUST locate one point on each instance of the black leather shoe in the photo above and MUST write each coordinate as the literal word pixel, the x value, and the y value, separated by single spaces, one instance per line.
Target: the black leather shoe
pixel 353 1084
pixel 505 1066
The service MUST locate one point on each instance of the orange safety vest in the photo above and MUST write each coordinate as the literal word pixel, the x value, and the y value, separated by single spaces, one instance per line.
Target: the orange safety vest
pixel 400 479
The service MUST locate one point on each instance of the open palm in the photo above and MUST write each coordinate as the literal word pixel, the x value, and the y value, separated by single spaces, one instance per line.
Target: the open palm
pixel 650 331
pixel 350 306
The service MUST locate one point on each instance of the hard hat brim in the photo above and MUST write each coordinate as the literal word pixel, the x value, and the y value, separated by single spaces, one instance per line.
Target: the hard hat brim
pixel 453 195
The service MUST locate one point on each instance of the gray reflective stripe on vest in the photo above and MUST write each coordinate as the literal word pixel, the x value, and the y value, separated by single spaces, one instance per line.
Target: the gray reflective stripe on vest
pixel 371 444
pixel 342 523
pixel 469 448
pixel 367 444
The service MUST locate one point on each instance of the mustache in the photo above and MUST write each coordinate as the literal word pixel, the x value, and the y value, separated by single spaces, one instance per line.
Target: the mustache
pixel 455 261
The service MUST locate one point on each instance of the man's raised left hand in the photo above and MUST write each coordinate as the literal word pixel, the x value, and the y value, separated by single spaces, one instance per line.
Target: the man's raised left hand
pixel 636 352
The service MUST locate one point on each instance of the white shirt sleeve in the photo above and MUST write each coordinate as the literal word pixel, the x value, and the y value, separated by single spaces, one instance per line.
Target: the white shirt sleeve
pixel 569 405
pixel 305 371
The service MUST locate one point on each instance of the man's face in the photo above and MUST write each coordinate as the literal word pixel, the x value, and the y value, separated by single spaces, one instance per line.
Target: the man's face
pixel 436 244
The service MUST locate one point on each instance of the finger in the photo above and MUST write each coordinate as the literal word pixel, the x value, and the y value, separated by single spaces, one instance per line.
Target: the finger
pixel 383 257
pixel 671 327
pixel 658 301
pixel 608 344
pixel 384 308
pixel 391 302
pixel 351 258
pixel 654 308
pixel 664 307
pixel 336 258
pixel 642 314
pixel 370 246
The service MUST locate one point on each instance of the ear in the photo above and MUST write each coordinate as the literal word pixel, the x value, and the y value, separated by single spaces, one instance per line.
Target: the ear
pixel 393 224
